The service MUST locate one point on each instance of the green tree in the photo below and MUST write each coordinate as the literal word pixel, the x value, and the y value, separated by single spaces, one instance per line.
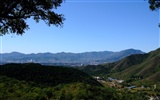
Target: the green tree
pixel 14 13
pixel 154 4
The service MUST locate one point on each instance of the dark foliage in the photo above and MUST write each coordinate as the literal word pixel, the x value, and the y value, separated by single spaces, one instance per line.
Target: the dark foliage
pixel 12 89
pixel 49 75
pixel 154 4
pixel 95 70
pixel 14 13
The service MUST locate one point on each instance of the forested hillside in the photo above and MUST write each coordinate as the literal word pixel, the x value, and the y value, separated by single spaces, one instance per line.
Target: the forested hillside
pixel 49 75
pixel 37 82
pixel 144 66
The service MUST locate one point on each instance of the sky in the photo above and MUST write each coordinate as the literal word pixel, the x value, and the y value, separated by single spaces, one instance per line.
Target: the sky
pixel 91 25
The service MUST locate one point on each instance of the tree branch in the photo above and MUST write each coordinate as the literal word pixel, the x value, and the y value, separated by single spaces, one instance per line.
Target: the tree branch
pixel 11 8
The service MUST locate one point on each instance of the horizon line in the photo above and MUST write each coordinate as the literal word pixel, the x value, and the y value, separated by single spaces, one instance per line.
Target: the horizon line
pixel 71 52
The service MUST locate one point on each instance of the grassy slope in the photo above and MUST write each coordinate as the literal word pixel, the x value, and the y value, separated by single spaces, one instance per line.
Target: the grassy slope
pixel 141 65
pixel 150 67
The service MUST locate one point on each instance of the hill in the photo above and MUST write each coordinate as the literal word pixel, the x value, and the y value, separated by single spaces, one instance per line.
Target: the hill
pixel 138 66
pixel 13 89
pixel 48 75
pixel 37 82
pixel 148 68
pixel 63 58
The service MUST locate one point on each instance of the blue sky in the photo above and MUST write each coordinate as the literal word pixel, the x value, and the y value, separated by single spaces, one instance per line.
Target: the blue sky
pixel 91 25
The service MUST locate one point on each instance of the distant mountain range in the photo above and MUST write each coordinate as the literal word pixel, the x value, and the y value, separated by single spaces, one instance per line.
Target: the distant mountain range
pixel 86 58
pixel 134 67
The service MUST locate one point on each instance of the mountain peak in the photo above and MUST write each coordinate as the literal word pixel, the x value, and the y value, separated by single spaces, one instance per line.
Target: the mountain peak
pixel 134 51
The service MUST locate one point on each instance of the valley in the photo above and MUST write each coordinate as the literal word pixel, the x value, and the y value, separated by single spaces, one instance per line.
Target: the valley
pixel 133 77
pixel 138 73
pixel 79 50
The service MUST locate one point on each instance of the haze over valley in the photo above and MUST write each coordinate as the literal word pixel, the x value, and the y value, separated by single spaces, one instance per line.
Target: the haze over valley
pixel 68 59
